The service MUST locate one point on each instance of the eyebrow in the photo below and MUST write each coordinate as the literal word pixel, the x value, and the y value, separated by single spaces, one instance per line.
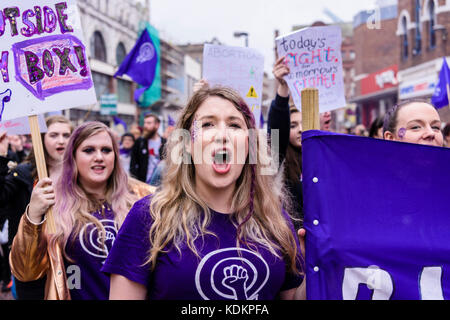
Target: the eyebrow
pixel 422 121
pixel 101 146
pixel 210 117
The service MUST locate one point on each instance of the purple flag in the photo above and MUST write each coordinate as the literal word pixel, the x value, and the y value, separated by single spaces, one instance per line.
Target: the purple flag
pixel 440 96
pixel 118 121
pixel 140 64
pixel 376 217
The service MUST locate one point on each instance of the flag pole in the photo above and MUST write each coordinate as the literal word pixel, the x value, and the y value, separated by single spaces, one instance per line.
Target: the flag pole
pixel 40 164
pixel 310 109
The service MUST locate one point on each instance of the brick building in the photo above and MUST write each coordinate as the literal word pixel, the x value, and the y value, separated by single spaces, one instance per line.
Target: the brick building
pixel 375 83
pixel 422 36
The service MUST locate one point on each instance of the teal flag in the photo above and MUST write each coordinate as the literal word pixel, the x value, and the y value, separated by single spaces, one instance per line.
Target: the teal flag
pixel 152 94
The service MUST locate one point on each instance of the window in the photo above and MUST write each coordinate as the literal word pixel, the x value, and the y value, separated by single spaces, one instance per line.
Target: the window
pixel 432 32
pixel 352 55
pixel 405 45
pixel 121 53
pixel 124 91
pixel 98 47
pixel 101 84
pixel 418 38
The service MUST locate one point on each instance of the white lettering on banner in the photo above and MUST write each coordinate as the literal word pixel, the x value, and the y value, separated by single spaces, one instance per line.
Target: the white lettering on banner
pixel 431 283
pixel 382 284
pixel 376 279
pixel 386 78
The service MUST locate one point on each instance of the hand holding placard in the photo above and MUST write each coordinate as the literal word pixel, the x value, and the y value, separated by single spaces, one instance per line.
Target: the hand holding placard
pixel 281 70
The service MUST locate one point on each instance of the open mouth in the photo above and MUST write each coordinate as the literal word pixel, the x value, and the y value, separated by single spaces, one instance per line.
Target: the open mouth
pixel 98 169
pixel 60 149
pixel 222 157
pixel 222 161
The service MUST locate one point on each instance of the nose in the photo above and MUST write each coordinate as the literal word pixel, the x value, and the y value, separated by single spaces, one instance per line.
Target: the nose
pixel 221 135
pixel 61 139
pixel 98 156
pixel 429 133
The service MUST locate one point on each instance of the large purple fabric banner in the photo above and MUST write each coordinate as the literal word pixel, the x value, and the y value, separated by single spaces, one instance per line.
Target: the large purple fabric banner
pixel 377 219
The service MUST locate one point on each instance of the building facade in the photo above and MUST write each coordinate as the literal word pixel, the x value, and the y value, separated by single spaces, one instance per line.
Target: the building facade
pixel 422 39
pixel 375 80
pixel 110 30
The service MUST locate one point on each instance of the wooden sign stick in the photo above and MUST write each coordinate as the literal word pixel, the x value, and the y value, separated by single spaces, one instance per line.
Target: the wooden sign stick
pixel 40 164
pixel 310 109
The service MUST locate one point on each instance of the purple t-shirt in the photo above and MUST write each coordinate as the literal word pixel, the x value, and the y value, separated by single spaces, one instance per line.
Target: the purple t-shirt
pixel 84 278
pixel 223 272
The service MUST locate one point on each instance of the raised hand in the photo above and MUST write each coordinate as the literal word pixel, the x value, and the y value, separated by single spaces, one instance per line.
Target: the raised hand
pixel 235 279
pixel 280 70
pixel 200 85
pixel 42 198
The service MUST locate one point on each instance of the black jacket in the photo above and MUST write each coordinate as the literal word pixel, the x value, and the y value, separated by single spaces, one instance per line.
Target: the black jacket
pixel 15 193
pixel 139 158
pixel 280 118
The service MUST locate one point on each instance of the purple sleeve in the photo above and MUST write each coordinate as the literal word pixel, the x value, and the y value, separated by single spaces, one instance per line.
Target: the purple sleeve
pixel 131 247
pixel 293 280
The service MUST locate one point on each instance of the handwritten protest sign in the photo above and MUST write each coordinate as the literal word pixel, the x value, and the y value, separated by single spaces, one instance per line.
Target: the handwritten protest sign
pixel 43 62
pixel 239 68
pixel 315 61
pixel 21 125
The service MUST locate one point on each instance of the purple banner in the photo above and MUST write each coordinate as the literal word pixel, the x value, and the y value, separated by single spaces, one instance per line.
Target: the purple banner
pixel 377 219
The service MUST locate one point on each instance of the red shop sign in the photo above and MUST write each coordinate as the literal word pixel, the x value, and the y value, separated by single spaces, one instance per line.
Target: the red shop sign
pixel 379 81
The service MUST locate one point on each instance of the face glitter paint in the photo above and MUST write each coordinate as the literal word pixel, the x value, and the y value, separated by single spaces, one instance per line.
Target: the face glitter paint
pixel 195 130
pixel 401 133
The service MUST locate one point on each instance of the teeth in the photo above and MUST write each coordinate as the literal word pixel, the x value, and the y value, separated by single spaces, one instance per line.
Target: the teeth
pixel 221 157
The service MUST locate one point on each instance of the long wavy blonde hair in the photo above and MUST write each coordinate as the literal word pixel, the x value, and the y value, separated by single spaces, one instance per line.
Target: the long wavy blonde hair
pixel 181 216
pixel 74 205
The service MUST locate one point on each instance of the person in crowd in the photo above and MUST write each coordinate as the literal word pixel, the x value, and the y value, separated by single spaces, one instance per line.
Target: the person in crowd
pixel 16 184
pixel 5 272
pixel 325 121
pixel 376 128
pixel 136 131
pixel 360 130
pixel 148 150
pixel 26 143
pixel 213 211
pixel 282 117
pixel 16 152
pixel 446 134
pixel 126 145
pixel 91 199
pixel 413 121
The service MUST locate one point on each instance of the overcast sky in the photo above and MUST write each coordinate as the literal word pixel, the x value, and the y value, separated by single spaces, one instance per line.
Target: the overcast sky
pixel 197 21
